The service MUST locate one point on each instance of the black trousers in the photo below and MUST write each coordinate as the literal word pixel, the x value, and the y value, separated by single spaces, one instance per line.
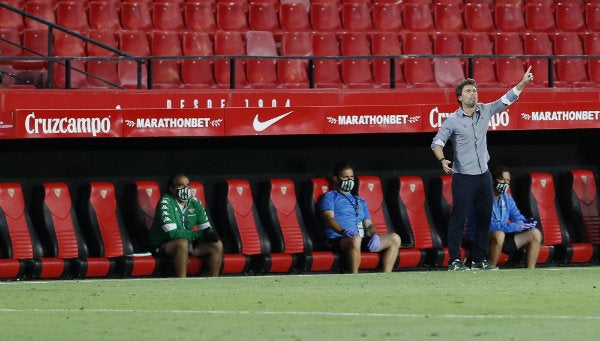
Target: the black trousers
pixel 470 192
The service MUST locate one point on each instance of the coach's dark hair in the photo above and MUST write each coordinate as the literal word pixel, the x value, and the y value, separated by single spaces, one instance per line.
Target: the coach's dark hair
pixel 171 180
pixel 340 166
pixel 498 170
pixel 461 85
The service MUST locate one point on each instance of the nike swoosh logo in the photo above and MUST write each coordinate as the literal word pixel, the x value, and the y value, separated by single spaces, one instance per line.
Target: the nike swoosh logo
pixel 260 126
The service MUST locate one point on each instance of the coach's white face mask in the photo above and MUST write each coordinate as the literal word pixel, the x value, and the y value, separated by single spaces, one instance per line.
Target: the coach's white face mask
pixel 347 185
pixel 184 193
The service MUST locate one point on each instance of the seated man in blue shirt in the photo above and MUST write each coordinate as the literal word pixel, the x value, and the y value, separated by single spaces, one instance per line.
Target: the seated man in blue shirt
pixel 349 227
pixel 509 230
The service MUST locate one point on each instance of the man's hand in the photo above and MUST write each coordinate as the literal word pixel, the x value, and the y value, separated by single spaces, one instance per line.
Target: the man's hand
pixel 527 77
pixel 349 233
pixel 446 166
pixel 212 235
pixel 374 243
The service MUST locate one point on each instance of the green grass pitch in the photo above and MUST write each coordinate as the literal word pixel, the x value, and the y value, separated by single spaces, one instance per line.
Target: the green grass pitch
pixel 512 304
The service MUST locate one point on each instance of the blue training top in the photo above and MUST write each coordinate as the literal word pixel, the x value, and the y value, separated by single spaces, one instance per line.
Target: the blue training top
pixel 505 215
pixel 349 211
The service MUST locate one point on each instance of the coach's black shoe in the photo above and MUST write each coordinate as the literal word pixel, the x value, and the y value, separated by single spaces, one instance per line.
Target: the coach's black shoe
pixel 458 265
pixel 483 265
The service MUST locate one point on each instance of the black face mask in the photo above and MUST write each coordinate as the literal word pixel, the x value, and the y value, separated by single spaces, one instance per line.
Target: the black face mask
pixel 183 193
pixel 501 188
pixel 347 185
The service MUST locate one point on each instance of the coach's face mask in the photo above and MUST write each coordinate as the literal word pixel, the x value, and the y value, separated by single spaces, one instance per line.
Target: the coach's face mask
pixel 501 188
pixel 347 185
pixel 184 193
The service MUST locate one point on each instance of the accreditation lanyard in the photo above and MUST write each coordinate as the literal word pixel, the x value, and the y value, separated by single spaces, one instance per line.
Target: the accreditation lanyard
pixel 355 205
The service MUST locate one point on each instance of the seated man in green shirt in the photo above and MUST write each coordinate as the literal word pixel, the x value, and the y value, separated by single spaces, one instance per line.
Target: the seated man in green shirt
pixel 181 228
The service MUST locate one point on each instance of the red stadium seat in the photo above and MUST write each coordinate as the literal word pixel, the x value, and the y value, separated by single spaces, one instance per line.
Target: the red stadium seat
pixel 570 16
pixel 543 204
pixel 293 73
pixel 580 205
pixel 35 43
pixel 135 43
pixel 22 251
pixel 244 232
pixel 261 73
pixel 591 46
pixel 105 70
pixel 105 15
pixel 136 16
pixel 371 189
pixel 418 71
pixel 356 17
pixel 483 68
pixel 509 71
pixel 200 16
pixel 105 232
pixel 325 17
pixel 166 72
pixel 56 222
pixel 411 216
pixel 448 17
pixel 231 16
pixel 448 71
pixel 572 71
pixel 418 17
pixel 539 17
pixel 287 230
pixel 142 199
pixel 197 72
pixel 230 44
pixel 262 16
pixel 327 73
pixel 387 17
pixel 10 43
pixel 592 16
pixel 356 73
pixel 539 44
pixel 386 43
pixel 478 17
pixel 68 45
pixel 41 9
pixel 293 16
pixel 509 17
pixel 10 19
pixel 72 15
pixel 167 16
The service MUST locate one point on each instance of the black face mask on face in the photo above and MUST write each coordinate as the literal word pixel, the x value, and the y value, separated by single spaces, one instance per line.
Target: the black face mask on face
pixel 347 185
pixel 501 188
pixel 183 193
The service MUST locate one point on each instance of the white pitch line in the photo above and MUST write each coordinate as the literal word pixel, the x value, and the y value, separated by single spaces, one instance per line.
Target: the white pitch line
pixel 309 313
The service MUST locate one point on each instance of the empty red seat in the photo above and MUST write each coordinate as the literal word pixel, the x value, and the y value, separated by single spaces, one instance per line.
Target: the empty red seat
pixel 591 46
pixel 418 71
pixel 293 73
pixel 448 71
pixel 136 16
pixel 105 231
pixel 326 71
pixel 166 72
pixel 356 73
pixel 387 43
pixel 57 223
pixel 539 43
pixel 418 17
pixel 592 16
pixel 167 16
pixel 294 16
pixel 68 45
pixel 448 17
pixel 262 16
pixel 483 68
pixel 41 9
pixel 509 17
pixel 509 71
pixel 570 70
pixel 105 15
pixel 230 44
pixel 325 17
pixel 580 203
pixel 10 43
pixel 10 19
pixel 478 17
pixel 261 73
pixel 142 199
pixel 102 71
pixel 542 203
pixel 387 17
pixel 231 16
pixel 73 15
pixel 197 72
pixel 287 229
pixel 570 16
pixel 134 43
pixel 539 17
pixel 200 16
pixel 35 43
pixel 356 17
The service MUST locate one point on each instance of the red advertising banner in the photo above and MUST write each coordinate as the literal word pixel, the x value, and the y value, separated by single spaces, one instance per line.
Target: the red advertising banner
pixel 7 130
pixel 273 121
pixel 434 115
pixel 372 119
pixel 173 122
pixel 560 115
pixel 48 123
